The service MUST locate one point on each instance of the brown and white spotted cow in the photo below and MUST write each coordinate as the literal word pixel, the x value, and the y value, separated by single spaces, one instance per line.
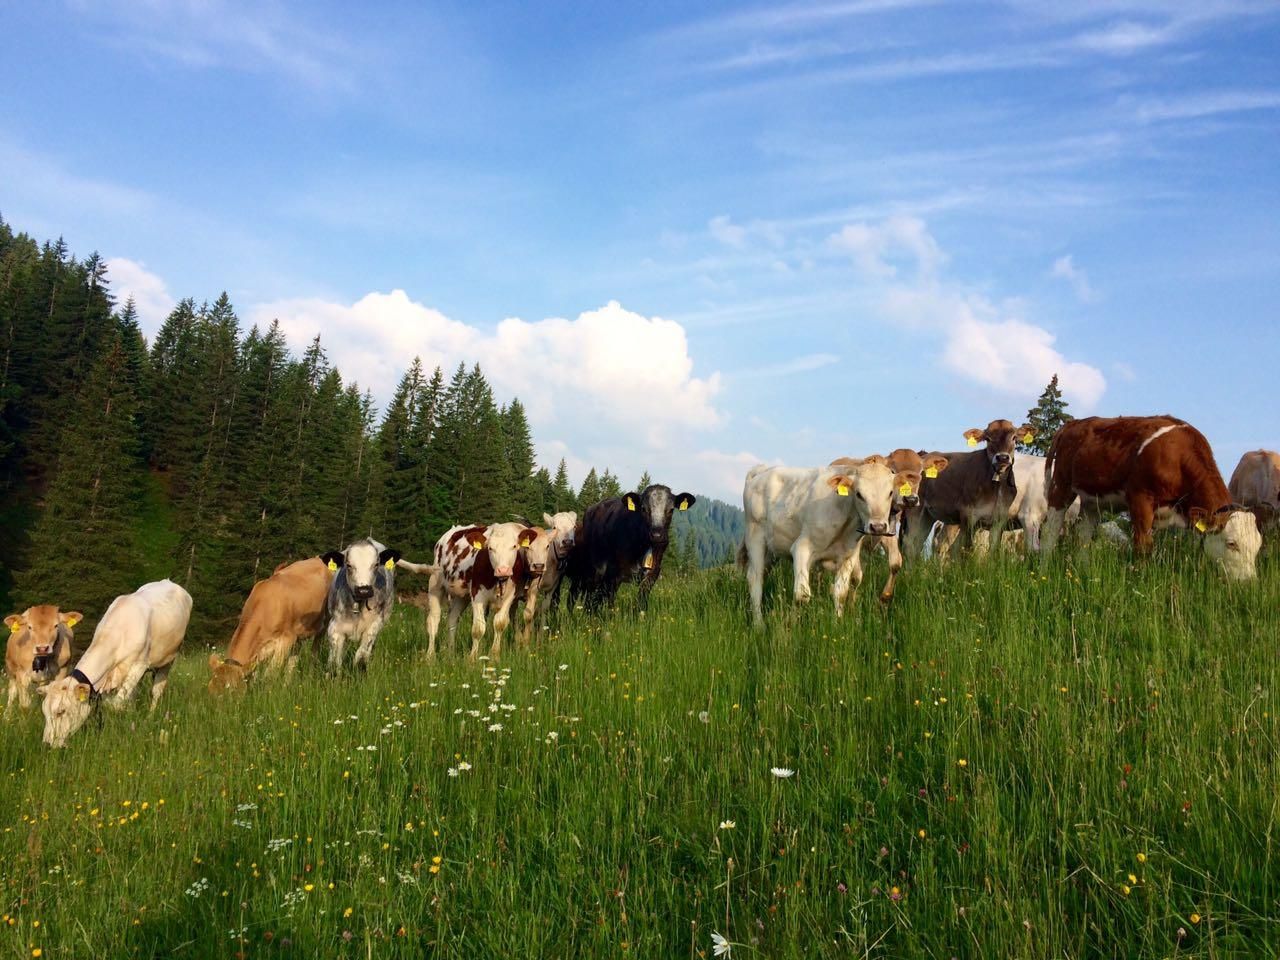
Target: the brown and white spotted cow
pixel 39 650
pixel 480 564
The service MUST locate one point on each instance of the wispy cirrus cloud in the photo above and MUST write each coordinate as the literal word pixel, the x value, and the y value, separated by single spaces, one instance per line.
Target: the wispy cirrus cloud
pixel 1206 104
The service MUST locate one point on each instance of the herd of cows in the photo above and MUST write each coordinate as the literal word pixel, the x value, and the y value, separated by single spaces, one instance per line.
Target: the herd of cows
pixel 1160 470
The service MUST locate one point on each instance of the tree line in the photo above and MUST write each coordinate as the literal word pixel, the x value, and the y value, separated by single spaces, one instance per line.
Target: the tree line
pixel 213 454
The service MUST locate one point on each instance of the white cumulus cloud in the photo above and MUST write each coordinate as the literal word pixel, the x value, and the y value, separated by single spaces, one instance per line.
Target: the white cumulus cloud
pixel 875 246
pixel 1064 268
pixel 151 298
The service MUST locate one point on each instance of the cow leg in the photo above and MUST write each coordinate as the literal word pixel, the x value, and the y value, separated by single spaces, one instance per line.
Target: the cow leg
pixel 127 689
pixel 1052 529
pixel 801 559
pixel 17 691
pixel 894 555
pixel 1031 534
pixel 1142 512
pixel 944 541
pixel 365 651
pixel 337 641
pixel 479 617
pixel 159 680
pixel 456 606
pixel 755 575
pixel 502 617
pixel 848 577
pixel 530 611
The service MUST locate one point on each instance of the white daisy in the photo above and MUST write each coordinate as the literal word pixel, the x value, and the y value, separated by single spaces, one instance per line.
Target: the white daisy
pixel 782 772
pixel 719 945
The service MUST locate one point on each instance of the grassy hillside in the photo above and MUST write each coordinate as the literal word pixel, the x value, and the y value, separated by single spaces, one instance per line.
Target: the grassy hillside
pixel 1081 761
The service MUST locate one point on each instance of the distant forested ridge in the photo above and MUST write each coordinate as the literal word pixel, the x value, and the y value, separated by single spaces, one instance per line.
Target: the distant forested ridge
pixel 213 453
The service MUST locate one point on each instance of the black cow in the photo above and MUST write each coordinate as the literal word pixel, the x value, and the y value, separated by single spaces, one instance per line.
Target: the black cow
pixel 618 537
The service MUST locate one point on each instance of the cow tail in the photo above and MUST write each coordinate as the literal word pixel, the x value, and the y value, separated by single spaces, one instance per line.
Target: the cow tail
pixel 1049 458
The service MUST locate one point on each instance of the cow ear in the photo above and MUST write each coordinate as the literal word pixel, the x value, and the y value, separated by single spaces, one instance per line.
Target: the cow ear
pixel 549 520
pixel 974 436
pixel 83 692
pixel 1199 518
pixel 14 622
pixel 333 560
pixel 476 538
pixel 934 466
pixel 1026 433
pixel 841 484
pixel 528 535
pixel 631 500
pixel 389 557
pixel 685 500
pixel 72 618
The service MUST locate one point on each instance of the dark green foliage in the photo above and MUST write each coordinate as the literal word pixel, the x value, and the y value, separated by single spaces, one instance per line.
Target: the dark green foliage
pixel 562 495
pixel 1047 417
pixel 717 528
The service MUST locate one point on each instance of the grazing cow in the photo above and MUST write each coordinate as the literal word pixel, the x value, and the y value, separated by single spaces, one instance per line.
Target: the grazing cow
pixel 619 537
pixel 288 605
pixel 39 650
pixel 1255 483
pixel 1162 471
pixel 817 514
pixel 361 597
pixel 477 564
pixel 140 632
pixel 977 489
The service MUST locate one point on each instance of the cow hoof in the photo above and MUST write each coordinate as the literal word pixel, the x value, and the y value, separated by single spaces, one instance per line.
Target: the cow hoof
pixel 886 599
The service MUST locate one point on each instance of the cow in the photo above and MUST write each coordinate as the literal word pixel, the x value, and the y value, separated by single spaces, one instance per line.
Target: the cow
pixel 1029 508
pixel 288 605
pixel 1255 483
pixel 140 633
pixel 1161 469
pixel 817 514
pixel 977 489
pixel 481 565
pixel 619 537
pixel 544 562
pixel 39 650
pixel 361 598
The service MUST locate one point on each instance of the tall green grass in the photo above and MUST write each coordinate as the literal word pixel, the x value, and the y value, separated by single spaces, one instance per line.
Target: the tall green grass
pixel 978 772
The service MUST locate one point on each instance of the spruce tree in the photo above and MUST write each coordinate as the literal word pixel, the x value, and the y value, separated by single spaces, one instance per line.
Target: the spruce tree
pixel 1047 418
pixel 646 481
pixel 562 495
pixel 525 496
pixel 590 492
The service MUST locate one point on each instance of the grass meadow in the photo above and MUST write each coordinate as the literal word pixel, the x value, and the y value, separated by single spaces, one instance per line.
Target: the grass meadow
pixel 1075 761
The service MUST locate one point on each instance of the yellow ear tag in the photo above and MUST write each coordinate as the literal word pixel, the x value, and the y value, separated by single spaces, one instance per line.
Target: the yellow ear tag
pixel 842 489
pixel 390 564
pixel 524 542
pixel 15 627
pixel 631 504
pixel 684 504
pixel 82 694
pixel 333 567
pixel 931 473
pixel 72 621
pixel 1028 437
pixel 475 544
pixel 973 441
pixel 905 489
pixel 1202 526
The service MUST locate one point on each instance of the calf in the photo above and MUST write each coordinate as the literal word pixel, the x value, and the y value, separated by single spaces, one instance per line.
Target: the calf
pixel 140 632
pixel 1255 483
pixel 1162 471
pixel 288 605
pixel 480 565
pixel 977 488
pixel 817 514
pixel 545 560
pixel 360 600
pixel 620 536
pixel 39 650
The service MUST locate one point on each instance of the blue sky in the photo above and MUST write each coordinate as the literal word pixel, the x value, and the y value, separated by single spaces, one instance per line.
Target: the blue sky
pixel 691 237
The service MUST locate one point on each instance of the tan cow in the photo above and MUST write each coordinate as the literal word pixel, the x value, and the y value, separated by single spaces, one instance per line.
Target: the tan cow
pixel 288 605
pixel 1255 483
pixel 39 649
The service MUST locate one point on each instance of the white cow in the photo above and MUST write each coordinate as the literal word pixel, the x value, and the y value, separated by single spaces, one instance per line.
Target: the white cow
pixel 361 598
pixel 140 632
pixel 551 549
pixel 816 514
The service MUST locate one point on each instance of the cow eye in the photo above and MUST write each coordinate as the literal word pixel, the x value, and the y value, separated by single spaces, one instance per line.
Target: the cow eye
pixel 1232 545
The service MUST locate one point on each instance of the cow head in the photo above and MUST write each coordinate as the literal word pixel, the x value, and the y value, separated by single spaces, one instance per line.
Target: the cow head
pixel 655 506
pixel 43 626
pixel 871 486
pixel 564 531
pixel 536 549
pixel 1231 536
pixel 1000 437
pixel 67 705
pixel 360 563
pixel 504 541
pixel 914 469
pixel 227 675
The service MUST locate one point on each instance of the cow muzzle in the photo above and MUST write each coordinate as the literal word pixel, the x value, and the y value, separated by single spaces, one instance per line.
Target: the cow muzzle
pixel 503 575
pixel 878 528
pixel 657 537
pixel 538 568
pixel 911 501
pixel 362 593
pixel 43 649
